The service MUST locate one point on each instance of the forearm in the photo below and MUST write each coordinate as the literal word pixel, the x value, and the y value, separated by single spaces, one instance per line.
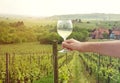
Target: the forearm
pixel 110 48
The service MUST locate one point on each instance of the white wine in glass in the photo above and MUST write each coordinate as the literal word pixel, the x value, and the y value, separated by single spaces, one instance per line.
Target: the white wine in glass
pixel 64 29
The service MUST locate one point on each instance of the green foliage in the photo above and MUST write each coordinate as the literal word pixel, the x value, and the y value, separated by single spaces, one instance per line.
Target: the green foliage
pixel 49 37
pixel 105 35
pixel 45 30
pixel 19 34
pixel 106 69
pixel 80 34
pixel 31 63
pixel 27 62
pixel 49 79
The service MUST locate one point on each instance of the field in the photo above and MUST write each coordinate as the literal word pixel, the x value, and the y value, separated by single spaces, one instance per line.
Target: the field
pixel 32 63
pixel 27 62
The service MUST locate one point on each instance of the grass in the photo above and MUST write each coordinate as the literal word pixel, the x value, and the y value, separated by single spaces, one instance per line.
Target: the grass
pixel 79 73
pixel 48 79
pixel 25 48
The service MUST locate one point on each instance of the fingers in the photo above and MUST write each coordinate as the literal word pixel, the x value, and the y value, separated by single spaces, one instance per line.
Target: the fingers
pixel 65 45
pixel 69 41
pixel 70 49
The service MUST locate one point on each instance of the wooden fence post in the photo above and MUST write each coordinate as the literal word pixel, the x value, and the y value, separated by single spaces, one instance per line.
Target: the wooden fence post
pixel 7 68
pixel 55 61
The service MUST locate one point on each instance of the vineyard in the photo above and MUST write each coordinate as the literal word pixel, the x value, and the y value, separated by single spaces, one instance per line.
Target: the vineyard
pixel 25 67
pixel 38 66
pixel 32 66
pixel 105 69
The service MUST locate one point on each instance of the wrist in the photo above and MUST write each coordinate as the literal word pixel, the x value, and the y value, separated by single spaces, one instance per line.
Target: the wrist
pixel 83 46
pixel 86 47
pixel 91 46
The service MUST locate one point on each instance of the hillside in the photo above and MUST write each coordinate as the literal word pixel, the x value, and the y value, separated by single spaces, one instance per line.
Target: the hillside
pixel 93 16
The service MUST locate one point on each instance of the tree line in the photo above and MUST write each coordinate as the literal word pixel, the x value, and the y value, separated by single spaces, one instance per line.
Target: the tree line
pixel 18 32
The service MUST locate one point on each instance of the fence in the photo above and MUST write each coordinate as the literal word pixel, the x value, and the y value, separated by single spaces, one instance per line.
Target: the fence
pixel 104 68
pixel 11 59
pixel 18 68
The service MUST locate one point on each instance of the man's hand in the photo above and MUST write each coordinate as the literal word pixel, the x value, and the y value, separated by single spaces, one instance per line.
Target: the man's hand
pixel 73 44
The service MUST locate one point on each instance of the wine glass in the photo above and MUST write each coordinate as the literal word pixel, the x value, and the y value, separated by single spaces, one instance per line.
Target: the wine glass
pixel 64 29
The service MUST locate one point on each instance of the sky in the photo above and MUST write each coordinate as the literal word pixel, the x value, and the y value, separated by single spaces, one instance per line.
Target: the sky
pixel 58 7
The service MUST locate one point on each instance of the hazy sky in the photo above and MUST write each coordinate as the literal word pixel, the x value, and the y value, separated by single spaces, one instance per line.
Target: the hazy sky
pixel 58 7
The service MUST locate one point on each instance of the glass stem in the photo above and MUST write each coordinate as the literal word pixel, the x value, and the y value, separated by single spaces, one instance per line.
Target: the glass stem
pixel 64 39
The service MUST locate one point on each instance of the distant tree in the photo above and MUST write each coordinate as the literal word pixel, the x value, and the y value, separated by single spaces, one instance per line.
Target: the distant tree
pixel 105 35
pixel 49 37
pixel 79 20
pixel 17 24
pixel 88 22
pixel 110 31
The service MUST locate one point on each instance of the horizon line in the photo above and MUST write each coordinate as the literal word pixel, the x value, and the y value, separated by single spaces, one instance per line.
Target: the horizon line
pixel 52 15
